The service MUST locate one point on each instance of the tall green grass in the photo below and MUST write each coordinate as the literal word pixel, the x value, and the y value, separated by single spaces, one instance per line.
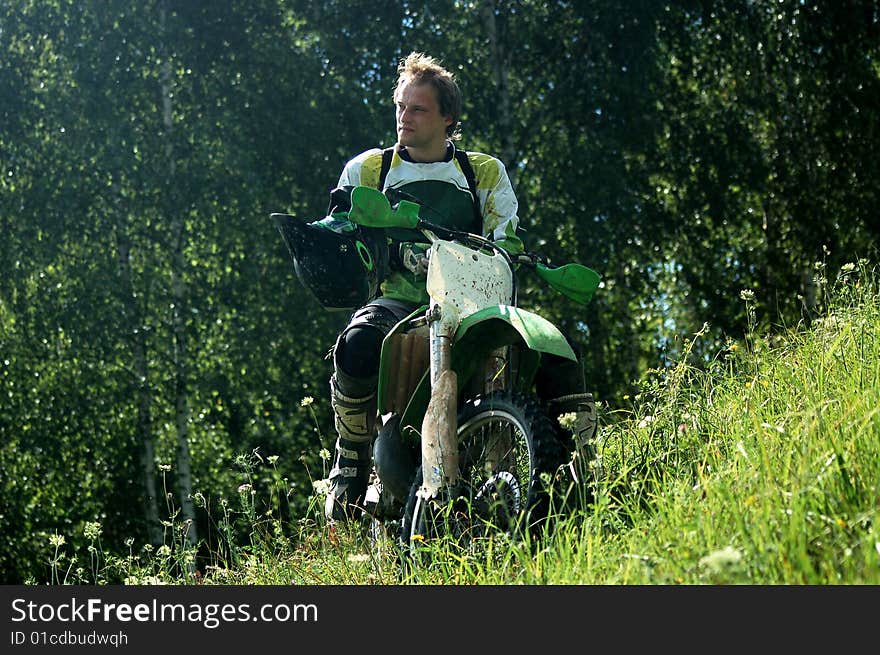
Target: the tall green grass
pixel 759 467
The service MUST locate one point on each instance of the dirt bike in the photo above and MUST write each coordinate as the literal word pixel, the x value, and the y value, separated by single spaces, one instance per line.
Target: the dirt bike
pixel 456 389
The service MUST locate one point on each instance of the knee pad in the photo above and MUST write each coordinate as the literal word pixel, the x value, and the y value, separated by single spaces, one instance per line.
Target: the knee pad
pixel 357 350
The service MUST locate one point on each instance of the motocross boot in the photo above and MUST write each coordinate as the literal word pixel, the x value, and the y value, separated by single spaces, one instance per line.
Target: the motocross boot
pixel 580 434
pixel 354 419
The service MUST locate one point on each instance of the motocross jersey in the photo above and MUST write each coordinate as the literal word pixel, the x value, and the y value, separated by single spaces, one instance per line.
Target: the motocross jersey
pixel 442 191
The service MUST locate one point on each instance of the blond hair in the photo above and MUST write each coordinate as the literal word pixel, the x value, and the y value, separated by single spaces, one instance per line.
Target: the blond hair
pixel 419 68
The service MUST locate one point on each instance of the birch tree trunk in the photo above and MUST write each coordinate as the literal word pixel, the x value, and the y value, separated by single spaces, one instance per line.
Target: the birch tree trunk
pixel 500 60
pixel 142 388
pixel 178 321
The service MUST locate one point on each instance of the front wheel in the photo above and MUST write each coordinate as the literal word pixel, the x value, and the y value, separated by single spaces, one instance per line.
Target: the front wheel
pixel 508 454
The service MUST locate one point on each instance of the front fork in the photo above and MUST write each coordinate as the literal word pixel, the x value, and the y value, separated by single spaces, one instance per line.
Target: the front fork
pixel 440 424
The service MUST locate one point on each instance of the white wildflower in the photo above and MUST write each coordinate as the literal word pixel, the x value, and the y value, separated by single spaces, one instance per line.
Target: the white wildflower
pixel 568 420
pixel 92 530
pixel 321 487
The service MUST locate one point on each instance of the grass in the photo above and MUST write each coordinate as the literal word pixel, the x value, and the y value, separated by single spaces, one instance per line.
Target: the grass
pixel 759 467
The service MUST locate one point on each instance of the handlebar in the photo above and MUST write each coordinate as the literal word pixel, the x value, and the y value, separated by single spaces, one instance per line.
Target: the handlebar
pixel 373 209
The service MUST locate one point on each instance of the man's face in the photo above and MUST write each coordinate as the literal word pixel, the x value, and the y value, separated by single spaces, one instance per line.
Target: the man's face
pixel 420 125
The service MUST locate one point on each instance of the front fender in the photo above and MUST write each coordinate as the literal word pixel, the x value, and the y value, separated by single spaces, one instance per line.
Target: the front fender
pixel 477 336
pixel 536 331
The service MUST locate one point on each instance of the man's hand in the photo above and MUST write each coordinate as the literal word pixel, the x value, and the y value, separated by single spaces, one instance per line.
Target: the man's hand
pixel 414 259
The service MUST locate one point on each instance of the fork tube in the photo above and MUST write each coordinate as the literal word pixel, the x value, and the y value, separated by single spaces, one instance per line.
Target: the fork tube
pixel 441 351
pixel 440 354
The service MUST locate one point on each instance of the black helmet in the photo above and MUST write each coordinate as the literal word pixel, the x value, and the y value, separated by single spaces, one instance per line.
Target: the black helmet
pixel 341 263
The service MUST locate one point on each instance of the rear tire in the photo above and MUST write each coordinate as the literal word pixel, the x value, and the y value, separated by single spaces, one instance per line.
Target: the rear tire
pixel 508 455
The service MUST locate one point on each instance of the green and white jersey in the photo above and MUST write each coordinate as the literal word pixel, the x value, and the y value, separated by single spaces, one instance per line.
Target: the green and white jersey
pixel 442 190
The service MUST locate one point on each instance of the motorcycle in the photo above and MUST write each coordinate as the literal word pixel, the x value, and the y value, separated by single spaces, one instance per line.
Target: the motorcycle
pixel 456 390
pixel 464 446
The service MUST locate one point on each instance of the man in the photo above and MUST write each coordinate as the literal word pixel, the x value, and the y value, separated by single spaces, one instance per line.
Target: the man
pixel 424 164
